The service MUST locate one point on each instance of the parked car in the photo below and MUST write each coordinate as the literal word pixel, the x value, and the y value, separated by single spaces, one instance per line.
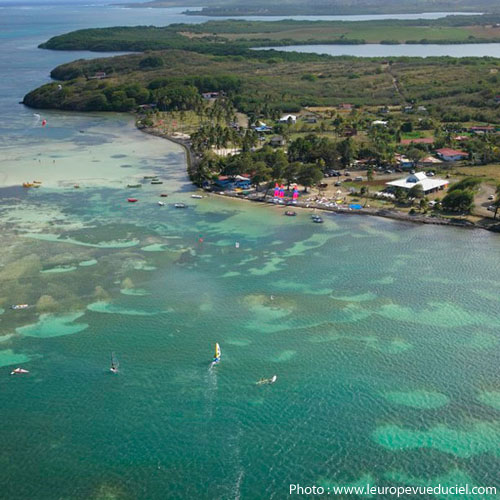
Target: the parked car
pixel 347 174
pixel 358 179
pixel 491 197
pixel 491 208
pixel 349 179
pixel 338 184
pixel 388 171
pixel 430 174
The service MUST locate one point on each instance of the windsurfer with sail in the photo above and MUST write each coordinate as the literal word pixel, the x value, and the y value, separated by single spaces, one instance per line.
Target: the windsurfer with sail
pixel 114 364
pixel 217 354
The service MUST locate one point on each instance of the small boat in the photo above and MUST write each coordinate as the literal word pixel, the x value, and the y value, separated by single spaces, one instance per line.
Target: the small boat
pixel 217 354
pixel 180 205
pixel 237 244
pixel 134 185
pixel 18 370
pixel 290 213
pixel 150 177
pixel 37 182
pixel 16 307
pixel 27 184
pixel 269 381
pixel 77 186
pixel 114 364
pixel 197 196
pixel 317 219
pixel 156 182
pixel 132 200
pixel 161 203
pixel 163 195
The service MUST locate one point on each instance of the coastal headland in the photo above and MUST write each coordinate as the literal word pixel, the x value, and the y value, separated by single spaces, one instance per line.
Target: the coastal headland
pixel 209 88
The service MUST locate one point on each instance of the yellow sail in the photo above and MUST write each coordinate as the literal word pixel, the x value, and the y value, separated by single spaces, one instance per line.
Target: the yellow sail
pixel 217 351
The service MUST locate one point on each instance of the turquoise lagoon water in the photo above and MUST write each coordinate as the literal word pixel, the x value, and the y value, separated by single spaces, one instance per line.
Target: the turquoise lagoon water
pixel 384 336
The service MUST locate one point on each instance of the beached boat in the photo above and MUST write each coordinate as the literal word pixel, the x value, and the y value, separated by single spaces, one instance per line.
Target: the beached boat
pixel 18 370
pixel 290 213
pixel 197 196
pixel 132 200
pixel 16 307
pixel 180 205
pixel 134 185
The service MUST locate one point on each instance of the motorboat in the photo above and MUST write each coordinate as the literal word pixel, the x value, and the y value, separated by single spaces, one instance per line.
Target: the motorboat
pixel 17 307
pixel 317 219
pixel 156 182
pixel 197 196
pixel 180 205
pixel 132 200
pixel 163 195
pixel 161 203
pixel 290 213
pixel 134 185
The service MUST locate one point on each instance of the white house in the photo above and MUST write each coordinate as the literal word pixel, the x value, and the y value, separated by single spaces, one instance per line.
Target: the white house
pixel 288 119
pixel 447 154
pixel 428 185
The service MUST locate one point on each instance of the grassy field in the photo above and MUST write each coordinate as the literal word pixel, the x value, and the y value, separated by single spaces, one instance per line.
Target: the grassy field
pixel 490 173
pixel 370 34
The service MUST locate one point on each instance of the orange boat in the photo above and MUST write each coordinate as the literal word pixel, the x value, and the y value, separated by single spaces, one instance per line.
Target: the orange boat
pixel 27 184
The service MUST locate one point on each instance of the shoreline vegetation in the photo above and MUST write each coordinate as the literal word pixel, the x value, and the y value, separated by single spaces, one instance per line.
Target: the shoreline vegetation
pixel 205 88
pixel 320 7
pixel 238 37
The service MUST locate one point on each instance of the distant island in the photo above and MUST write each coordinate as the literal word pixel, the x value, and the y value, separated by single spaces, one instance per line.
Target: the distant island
pixel 236 37
pixel 322 7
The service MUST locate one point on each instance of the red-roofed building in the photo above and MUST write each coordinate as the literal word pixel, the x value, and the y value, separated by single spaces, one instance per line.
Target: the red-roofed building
pixel 345 107
pixel 448 154
pixel 422 140
pixel 482 129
